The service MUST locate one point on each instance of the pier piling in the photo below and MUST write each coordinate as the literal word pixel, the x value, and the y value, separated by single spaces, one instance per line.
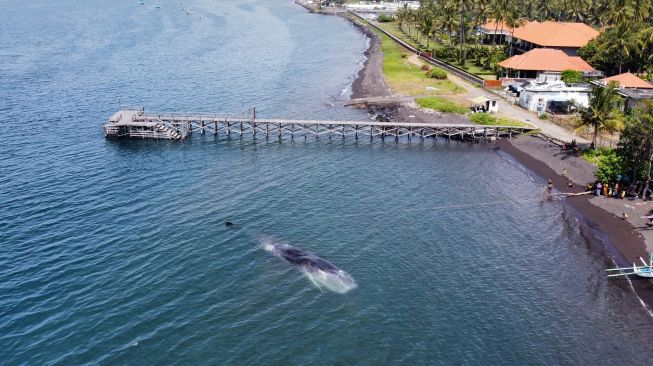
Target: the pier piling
pixel 135 123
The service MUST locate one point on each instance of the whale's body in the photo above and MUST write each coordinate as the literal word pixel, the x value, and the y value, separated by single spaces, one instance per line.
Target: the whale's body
pixel 321 272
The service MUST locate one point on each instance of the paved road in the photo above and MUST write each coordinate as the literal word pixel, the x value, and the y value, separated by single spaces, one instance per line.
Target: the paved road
pixel 512 111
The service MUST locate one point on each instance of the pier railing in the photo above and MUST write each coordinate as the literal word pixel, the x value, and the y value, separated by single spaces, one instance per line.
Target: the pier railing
pixel 175 126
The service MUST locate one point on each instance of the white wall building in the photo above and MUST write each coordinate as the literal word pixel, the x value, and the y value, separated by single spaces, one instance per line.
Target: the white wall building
pixel 381 7
pixel 552 96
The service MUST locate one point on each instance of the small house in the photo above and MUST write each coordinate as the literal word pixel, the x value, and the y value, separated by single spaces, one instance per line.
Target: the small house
pixel 632 88
pixel 485 104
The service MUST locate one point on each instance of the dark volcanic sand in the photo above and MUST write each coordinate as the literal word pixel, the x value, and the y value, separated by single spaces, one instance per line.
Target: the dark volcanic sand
pixel 624 244
pixel 370 81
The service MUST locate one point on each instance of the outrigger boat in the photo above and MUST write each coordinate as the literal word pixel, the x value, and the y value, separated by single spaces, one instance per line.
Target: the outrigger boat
pixel 642 271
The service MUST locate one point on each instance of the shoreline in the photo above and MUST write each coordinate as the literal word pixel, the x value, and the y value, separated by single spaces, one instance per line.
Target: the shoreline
pixel 615 239
pixel 369 81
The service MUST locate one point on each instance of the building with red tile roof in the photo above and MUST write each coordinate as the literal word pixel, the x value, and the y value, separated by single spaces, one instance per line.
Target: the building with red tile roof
pixel 556 34
pixel 628 80
pixel 538 60
pixel 565 36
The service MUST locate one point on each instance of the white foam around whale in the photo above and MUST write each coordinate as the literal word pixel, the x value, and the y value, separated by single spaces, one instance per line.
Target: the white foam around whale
pixel 339 281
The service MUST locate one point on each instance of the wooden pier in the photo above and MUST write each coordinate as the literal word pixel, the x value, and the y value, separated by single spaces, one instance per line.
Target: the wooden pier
pixel 135 123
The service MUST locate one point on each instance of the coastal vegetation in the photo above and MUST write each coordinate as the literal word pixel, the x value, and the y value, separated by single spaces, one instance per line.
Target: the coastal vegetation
pixel 446 28
pixel 437 73
pixel 406 77
pixel 604 111
pixel 441 105
pixel 572 76
pixel 485 56
pixel 446 106
pixel 383 18
pixel 494 120
pixel 635 148
pixel 632 160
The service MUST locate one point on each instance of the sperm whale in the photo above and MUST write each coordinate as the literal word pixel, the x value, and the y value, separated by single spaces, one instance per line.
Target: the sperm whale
pixel 322 273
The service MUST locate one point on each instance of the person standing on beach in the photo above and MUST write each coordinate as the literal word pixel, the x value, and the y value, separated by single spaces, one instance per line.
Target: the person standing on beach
pixel 549 190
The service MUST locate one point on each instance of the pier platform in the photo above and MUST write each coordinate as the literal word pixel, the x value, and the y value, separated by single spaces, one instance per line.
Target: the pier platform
pixel 135 123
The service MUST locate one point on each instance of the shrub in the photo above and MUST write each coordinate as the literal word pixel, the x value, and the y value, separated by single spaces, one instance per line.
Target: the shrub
pixel 492 120
pixel 441 105
pixel 446 53
pixel 483 119
pixel 543 116
pixel 425 68
pixel 572 76
pixel 609 166
pixel 436 73
pixel 383 18
pixel 594 155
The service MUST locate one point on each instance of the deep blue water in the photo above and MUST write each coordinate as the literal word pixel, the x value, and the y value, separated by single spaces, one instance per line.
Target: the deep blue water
pixel 115 252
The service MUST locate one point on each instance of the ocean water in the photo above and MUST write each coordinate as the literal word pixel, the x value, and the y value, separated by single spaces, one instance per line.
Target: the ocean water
pixel 116 252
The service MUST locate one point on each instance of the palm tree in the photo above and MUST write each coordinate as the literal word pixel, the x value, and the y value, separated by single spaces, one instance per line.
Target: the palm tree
pixel 462 7
pixel 644 115
pixel 603 112
pixel 512 20
pixel 448 21
pixel 620 13
pixel 620 47
pixel 402 16
pixel 546 9
pixel 497 10
pixel 575 9
pixel 641 9
pixel 426 23
pixel 645 44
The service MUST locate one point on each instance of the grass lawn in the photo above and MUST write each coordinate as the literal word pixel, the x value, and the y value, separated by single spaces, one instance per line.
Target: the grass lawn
pixel 408 79
pixel 494 120
pixel 441 105
pixel 393 27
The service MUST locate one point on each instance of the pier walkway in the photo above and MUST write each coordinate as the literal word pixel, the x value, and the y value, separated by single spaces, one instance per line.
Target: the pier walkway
pixel 135 123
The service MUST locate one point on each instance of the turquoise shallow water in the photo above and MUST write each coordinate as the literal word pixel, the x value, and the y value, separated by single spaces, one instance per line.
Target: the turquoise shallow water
pixel 115 252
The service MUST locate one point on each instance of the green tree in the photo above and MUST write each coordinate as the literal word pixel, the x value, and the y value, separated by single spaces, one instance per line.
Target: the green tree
pixel 636 144
pixel 572 76
pixel 603 113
